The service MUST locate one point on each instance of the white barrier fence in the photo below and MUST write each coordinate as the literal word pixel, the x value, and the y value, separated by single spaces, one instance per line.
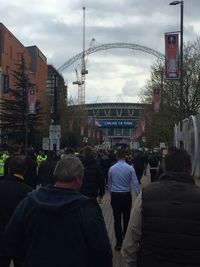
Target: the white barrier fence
pixel 191 139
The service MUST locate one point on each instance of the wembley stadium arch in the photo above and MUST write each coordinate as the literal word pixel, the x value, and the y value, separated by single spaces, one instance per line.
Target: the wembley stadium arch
pixel 98 48
pixel 115 122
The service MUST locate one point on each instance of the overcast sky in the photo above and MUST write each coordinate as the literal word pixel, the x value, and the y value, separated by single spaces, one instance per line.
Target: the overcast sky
pixel 56 28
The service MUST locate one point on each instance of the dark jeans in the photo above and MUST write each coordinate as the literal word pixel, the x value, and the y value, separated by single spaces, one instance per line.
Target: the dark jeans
pixel 153 174
pixel 5 262
pixel 121 205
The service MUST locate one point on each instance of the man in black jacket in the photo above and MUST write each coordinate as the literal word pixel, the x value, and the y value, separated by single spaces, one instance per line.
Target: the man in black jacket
pixel 46 169
pixel 12 190
pixel 58 226
pixel 164 224
pixel 30 174
pixel 93 179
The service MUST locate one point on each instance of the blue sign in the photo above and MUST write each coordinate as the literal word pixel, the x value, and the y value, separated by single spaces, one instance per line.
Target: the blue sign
pixel 116 123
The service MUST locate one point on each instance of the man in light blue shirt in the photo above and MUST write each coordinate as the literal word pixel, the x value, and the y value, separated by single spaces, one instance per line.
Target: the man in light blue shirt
pixel 120 177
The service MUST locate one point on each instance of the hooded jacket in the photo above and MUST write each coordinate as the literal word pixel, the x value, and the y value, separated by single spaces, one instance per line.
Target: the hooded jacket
pixel 59 227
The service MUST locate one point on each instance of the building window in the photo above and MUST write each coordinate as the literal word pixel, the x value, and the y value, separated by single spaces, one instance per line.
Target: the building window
pixel 110 131
pixel 118 132
pixel 126 132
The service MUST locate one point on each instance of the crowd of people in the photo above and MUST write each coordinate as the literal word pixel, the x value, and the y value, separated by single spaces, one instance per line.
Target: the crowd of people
pixel 50 213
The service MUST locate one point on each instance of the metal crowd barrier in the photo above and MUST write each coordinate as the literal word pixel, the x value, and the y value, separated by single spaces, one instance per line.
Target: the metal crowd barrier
pixel 191 140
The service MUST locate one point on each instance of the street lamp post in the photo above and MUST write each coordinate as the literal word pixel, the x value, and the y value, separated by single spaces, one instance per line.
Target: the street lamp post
pixel 181 69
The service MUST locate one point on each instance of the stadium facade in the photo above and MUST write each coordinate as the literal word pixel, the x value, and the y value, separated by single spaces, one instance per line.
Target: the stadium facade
pixel 116 121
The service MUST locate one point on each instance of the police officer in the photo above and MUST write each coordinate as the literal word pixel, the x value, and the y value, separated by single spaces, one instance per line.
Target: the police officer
pixel 3 157
pixel 41 157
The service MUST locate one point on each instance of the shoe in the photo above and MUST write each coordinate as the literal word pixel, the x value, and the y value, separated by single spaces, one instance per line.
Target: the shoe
pixel 118 248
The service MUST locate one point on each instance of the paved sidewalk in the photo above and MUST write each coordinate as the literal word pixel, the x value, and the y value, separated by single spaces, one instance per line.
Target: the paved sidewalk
pixel 108 217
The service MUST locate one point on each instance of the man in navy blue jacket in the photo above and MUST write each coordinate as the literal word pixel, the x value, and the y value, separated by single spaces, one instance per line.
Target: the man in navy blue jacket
pixel 58 226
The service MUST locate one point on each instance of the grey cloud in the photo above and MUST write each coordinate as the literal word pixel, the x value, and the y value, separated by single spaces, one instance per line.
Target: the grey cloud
pixel 141 22
pixel 131 88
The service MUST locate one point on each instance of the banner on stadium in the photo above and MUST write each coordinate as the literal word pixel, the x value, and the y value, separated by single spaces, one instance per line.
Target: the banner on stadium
pixel 172 71
pixel 156 99
pixel 31 100
pixel 106 123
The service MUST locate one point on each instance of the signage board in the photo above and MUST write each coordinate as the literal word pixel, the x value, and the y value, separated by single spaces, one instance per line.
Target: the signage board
pixel 45 143
pixel 31 100
pixel 172 70
pixel 103 123
pixel 54 131
pixel 156 99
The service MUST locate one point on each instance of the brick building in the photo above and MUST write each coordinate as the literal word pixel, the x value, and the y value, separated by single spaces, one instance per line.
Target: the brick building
pixel 11 52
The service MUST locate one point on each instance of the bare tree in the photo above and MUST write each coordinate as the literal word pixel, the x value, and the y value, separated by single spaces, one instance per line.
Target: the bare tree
pixel 162 124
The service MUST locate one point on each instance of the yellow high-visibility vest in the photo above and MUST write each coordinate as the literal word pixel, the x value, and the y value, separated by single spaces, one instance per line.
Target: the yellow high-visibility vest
pixel 3 158
pixel 41 158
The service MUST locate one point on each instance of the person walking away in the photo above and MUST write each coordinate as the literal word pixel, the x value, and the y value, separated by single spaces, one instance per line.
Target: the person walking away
pixel 120 177
pixel 46 169
pixel 58 226
pixel 30 175
pixel 93 180
pixel 153 163
pixel 12 190
pixel 40 157
pixel 139 164
pixel 164 225
pixel 105 165
pixel 3 156
pixel 13 151
pixel 160 169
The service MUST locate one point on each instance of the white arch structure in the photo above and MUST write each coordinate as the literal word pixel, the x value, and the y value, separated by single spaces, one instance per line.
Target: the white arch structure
pixel 95 49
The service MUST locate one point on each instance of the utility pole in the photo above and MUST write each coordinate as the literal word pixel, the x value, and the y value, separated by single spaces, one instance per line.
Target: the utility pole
pixel 181 77
pixel 55 101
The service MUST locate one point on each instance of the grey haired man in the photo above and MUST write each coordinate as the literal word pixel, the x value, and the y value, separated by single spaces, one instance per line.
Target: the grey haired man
pixel 58 226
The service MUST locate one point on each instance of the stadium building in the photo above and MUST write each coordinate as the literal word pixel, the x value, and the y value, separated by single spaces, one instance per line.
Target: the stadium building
pixel 115 121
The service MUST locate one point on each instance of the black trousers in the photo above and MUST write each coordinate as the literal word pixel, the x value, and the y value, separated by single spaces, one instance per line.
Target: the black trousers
pixel 153 174
pixel 121 205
